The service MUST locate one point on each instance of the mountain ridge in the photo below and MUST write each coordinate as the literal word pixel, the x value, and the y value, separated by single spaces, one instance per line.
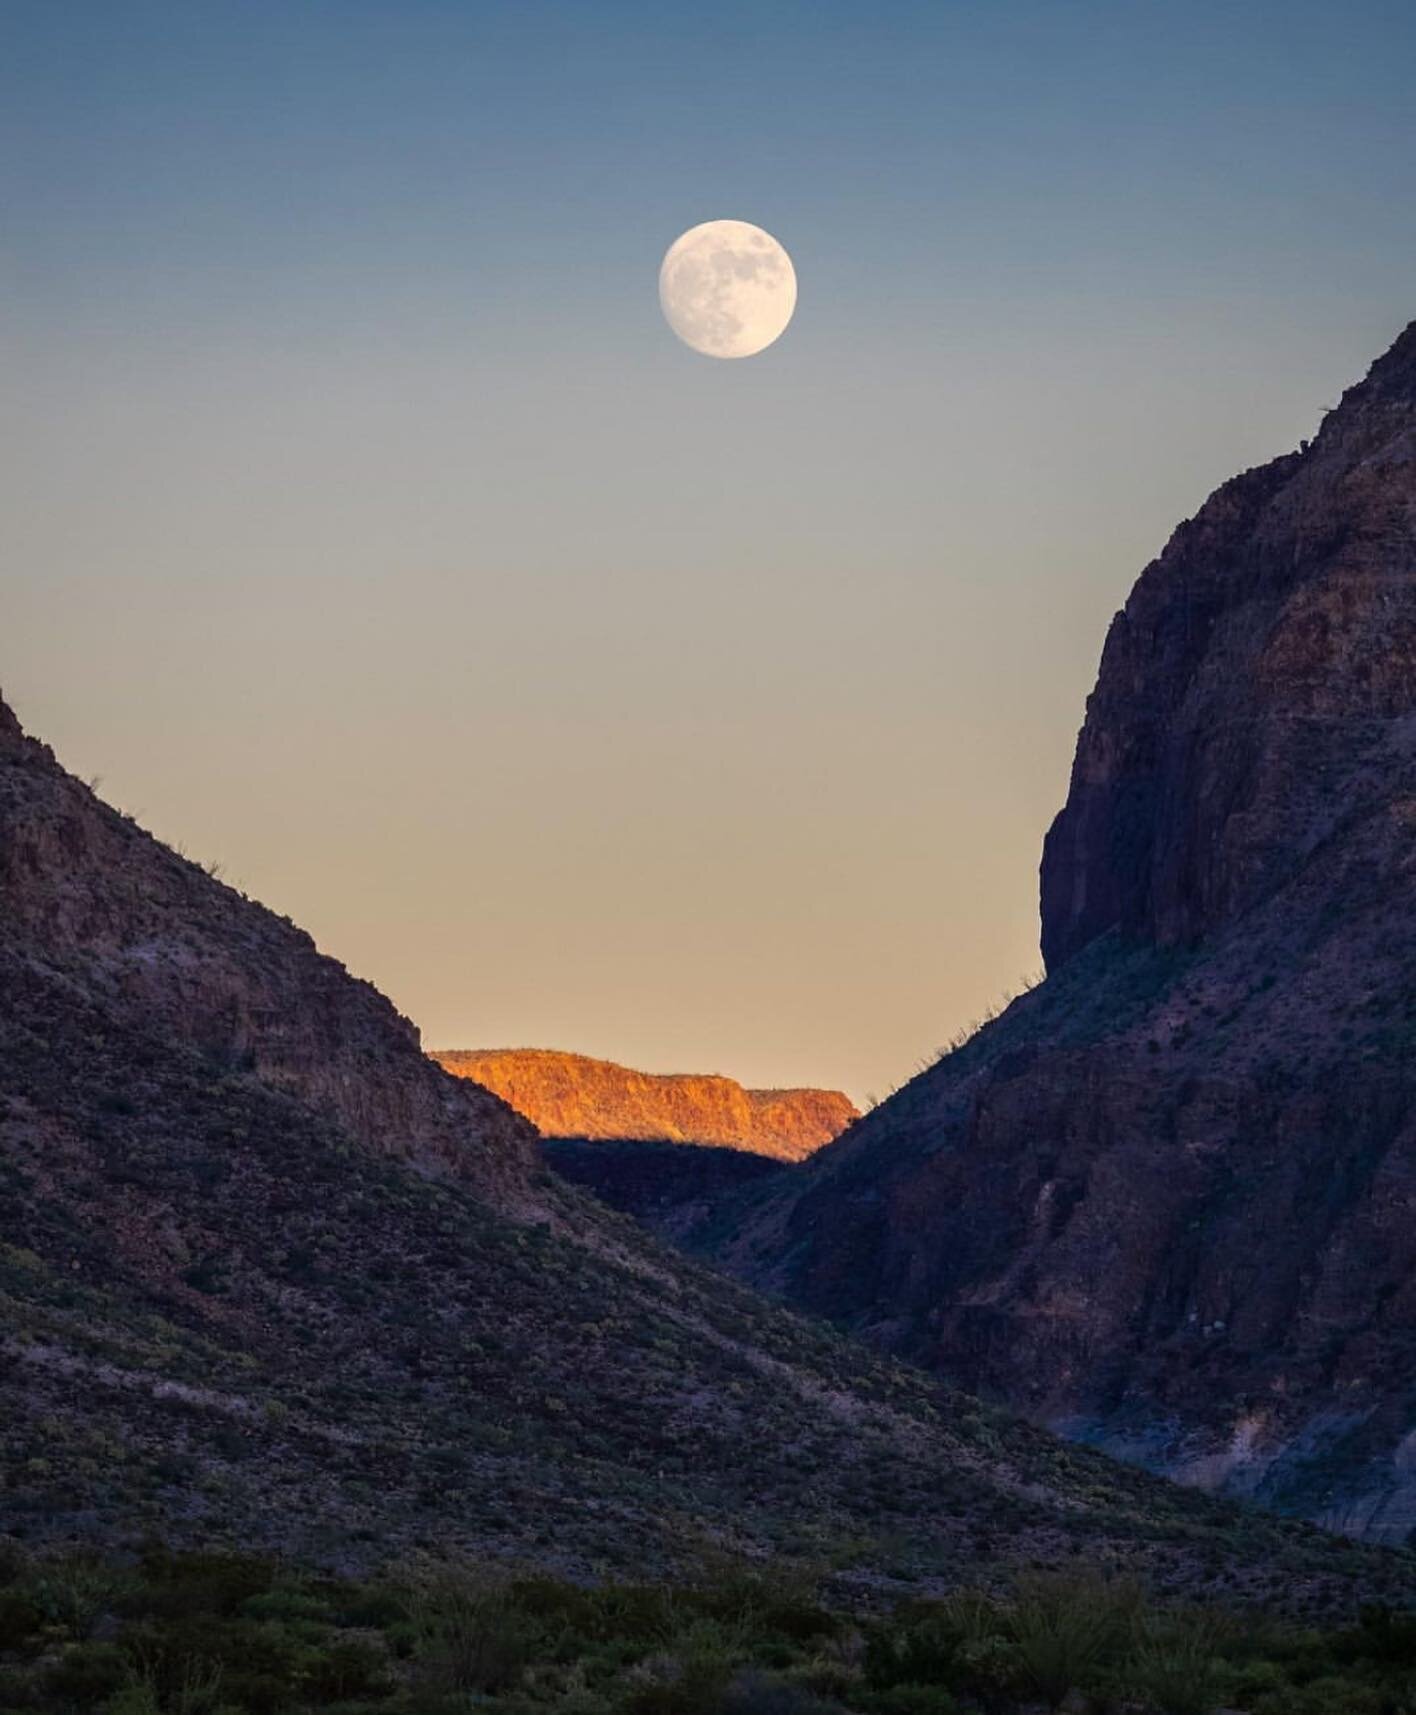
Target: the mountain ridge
pixel 1163 1202
pixel 567 1095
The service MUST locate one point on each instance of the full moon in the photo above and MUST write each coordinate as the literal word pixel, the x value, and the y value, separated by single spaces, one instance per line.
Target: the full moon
pixel 727 288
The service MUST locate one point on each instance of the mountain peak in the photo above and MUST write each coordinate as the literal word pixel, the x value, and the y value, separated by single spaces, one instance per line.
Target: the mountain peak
pixel 1275 633
pixel 1394 372
pixel 11 732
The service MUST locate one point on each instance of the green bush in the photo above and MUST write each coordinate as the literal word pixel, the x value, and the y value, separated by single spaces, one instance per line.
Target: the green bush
pixel 348 1669
pixel 14 1561
pixel 87 1675
pixel 136 1696
pixel 1068 1632
pixel 203 1583
pixel 472 1636
pixel 287 1603
pixel 1385 1635
pixel 1331 1695
pixel 72 1591
pixel 694 1686
pixel 1175 1666
pixel 920 1647
pixel 20 1620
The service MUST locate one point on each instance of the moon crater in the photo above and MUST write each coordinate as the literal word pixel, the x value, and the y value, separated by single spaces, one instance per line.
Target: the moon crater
pixel 727 288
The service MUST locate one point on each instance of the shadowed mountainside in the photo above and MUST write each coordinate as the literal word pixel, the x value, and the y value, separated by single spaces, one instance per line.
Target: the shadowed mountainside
pixel 1167 1202
pixel 573 1096
pixel 269 1276
pixel 669 1187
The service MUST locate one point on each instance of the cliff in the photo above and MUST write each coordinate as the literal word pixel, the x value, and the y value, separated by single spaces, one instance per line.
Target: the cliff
pixel 1164 1203
pixel 571 1095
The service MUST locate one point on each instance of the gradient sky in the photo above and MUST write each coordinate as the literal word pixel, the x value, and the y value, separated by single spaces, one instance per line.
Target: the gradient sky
pixel 365 529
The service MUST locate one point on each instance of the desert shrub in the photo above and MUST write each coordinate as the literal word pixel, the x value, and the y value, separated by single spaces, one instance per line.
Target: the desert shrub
pixel 766 1607
pixel 1175 1665
pixel 14 1561
pixel 20 1620
pixel 349 1668
pixel 175 1584
pixel 692 1686
pixel 1383 1634
pixel 643 1613
pixel 257 1667
pixel 553 1604
pixel 958 1645
pixel 379 1606
pixel 472 1637
pixel 72 1591
pixel 136 1696
pixel 1330 1695
pixel 197 1689
pixel 86 1675
pixel 1251 1681
pixel 920 1648
pixel 1068 1630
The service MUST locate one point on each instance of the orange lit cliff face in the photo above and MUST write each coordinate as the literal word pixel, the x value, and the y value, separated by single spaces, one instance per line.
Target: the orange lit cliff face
pixel 571 1095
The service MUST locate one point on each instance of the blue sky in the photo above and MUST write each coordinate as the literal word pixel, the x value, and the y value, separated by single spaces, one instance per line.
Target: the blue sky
pixel 366 529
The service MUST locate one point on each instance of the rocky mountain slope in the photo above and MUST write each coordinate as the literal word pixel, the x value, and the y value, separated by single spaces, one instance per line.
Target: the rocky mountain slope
pixel 1165 1203
pixel 571 1095
pixel 269 1276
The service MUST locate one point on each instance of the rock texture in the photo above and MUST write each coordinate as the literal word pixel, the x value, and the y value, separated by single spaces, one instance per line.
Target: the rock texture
pixel 1167 1202
pixel 571 1095
pixel 157 939
pixel 269 1276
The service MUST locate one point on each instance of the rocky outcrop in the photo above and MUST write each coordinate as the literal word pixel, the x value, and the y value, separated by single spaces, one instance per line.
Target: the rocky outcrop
pixel 1167 1202
pixel 84 890
pixel 1255 697
pixel 571 1095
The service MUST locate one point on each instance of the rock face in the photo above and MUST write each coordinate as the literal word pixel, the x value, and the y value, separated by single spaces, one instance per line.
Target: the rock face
pixel 1167 1202
pixel 160 941
pixel 268 1276
pixel 1255 698
pixel 570 1095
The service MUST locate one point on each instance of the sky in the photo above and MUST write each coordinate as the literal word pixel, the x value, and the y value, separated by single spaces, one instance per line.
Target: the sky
pixel 365 531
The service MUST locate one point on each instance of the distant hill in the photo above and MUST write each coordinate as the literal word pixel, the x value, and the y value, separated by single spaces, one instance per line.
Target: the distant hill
pixel 571 1095
pixel 1167 1202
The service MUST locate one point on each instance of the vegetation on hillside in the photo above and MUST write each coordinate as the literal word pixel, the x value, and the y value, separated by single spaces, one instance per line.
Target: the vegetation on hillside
pixel 212 1633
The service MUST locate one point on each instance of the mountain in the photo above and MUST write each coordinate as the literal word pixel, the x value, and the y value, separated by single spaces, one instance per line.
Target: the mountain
pixel 571 1095
pixel 1166 1203
pixel 271 1277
